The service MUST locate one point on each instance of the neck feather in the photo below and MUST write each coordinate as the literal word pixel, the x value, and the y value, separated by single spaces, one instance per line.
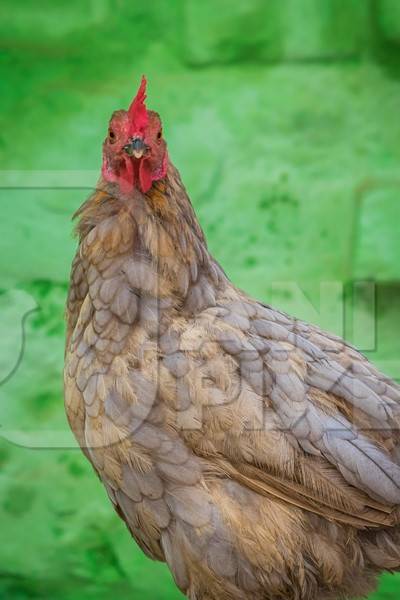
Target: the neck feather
pixel 159 228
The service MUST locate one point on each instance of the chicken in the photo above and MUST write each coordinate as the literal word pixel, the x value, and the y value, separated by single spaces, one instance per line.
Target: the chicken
pixel 255 454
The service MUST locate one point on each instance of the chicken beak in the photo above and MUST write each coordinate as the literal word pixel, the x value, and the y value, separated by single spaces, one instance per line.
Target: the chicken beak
pixel 136 147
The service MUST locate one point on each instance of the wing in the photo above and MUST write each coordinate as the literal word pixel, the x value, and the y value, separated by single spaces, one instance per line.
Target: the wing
pixel 288 411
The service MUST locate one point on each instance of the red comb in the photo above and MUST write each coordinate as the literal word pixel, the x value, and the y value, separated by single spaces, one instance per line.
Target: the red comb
pixel 137 110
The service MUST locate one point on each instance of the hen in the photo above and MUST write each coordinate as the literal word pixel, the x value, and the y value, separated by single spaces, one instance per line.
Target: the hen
pixel 255 454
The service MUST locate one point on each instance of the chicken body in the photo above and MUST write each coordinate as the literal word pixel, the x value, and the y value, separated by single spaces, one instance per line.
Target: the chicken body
pixel 255 454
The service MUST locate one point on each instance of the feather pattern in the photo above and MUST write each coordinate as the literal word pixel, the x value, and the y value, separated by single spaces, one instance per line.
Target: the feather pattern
pixel 256 454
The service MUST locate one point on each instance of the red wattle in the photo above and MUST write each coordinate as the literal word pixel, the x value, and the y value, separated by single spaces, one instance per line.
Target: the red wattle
pixel 127 177
pixel 145 177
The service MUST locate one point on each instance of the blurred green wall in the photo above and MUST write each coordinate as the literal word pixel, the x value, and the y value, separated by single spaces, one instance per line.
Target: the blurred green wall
pixel 282 116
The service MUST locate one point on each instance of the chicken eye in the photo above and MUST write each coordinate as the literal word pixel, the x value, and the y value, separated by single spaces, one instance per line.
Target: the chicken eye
pixel 159 134
pixel 111 136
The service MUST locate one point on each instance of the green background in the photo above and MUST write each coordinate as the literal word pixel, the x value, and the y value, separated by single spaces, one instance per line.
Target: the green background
pixel 283 118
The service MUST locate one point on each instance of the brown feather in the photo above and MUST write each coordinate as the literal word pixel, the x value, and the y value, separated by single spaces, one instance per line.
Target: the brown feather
pixel 255 454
